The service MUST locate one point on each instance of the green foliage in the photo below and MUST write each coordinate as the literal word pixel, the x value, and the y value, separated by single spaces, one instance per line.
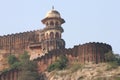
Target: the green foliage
pixel 12 59
pixel 113 60
pixel 110 56
pixel 112 65
pixel 28 68
pixel 13 62
pixel 24 56
pixel 60 64
pixel 16 65
pixel 52 67
pixel 5 70
pixel 117 59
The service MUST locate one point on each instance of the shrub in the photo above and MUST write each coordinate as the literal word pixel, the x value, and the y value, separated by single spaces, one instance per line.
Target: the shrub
pixel 24 56
pixel 5 70
pixel 12 59
pixel 16 65
pixel 53 66
pixel 118 61
pixel 28 68
pixel 60 64
pixel 112 65
pixel 110 56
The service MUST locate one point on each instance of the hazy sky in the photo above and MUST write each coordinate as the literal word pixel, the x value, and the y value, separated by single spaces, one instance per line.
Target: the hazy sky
pixel 86 20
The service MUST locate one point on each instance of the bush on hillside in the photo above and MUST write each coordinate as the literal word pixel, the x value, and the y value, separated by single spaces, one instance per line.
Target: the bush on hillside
pixel 28 68
pixel 12 59
pixel 112 65
pixel 110 56
pixel 60 64
pixel 117 56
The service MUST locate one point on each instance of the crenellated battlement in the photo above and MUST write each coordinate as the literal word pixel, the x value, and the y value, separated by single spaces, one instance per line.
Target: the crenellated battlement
pixel 89 52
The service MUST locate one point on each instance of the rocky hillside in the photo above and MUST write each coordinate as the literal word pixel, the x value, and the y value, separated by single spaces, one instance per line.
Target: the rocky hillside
pixel 102 71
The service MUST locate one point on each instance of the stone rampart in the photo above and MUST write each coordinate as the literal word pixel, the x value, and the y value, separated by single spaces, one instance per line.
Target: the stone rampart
pixel 89 52
pixel 18 43
pixel 10 75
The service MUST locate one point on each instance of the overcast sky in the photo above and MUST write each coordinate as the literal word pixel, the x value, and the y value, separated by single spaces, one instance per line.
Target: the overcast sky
pixel 86 20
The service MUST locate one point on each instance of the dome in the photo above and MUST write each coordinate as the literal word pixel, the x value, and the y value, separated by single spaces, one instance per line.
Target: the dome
pixel 53 13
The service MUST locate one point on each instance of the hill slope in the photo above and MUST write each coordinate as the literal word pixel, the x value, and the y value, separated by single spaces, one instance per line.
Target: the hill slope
pixel 102 71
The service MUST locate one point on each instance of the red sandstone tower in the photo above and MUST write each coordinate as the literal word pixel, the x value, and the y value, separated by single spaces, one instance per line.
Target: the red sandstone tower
pixel 51 34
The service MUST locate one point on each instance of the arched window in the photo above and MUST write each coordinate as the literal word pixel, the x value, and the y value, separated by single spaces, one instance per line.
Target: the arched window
pixel 60 35
pixel 47 23
pixel 57 35
pixel 43 37
pixel 51 23
pixel 56 23
pixel 47 36
pixel 51 35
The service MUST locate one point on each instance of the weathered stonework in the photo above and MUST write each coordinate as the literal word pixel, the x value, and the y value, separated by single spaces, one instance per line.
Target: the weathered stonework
pixel 10 75
pixel 89 52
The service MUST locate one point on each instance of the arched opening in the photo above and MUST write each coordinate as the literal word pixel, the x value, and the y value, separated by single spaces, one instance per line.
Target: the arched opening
pixel 47 45
pixel 43 37
pixel 47 23
pixel 51 23
pixel 47 36
pixel 51 35
pixel 57 35
pixel 60 35
pixel 56 23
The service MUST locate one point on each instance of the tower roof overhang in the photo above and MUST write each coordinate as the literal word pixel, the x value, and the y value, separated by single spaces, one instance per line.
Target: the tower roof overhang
pixel 47 18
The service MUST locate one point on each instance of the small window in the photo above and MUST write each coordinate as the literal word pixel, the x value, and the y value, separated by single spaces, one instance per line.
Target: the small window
pixel 57 35
pixel 47 36
pixel 56 23
pixel 51 35
pixel 47 23
pixel 51 23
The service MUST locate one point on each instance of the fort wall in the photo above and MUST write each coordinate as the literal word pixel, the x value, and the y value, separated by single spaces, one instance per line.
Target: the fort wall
pixel 89 52
pixel 10 75
pixel 17 43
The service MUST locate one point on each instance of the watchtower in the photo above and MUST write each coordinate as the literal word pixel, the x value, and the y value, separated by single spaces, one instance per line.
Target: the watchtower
pixel 51 35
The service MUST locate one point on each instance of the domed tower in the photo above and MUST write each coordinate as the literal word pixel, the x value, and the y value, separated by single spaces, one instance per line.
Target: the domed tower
pixel 51 35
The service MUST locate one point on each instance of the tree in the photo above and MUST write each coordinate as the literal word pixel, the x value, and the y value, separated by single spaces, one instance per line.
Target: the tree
pixel 28 69
pixel 12 59
pixel 110 56
pixel 13 62
pixel 117 56
pixel 60 64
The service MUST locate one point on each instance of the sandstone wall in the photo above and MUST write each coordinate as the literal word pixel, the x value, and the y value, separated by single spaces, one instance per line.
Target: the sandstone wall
pixel 89 52
pixel 10 75
pixel 17 43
